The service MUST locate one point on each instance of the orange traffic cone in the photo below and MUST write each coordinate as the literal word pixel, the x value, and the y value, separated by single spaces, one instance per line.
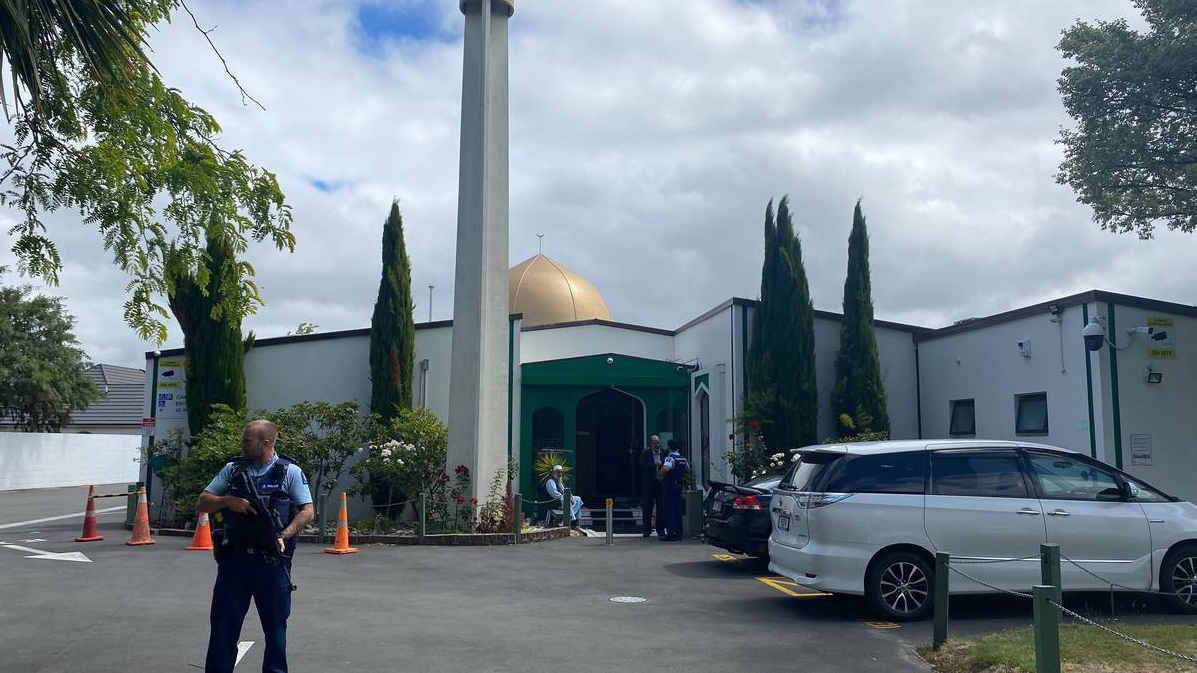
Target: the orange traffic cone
pixel 141 522
pixel 341 542
pixel 89 519
pixel 202 540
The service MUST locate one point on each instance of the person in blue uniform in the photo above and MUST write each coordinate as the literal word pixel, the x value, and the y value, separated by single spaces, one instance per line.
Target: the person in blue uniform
pixel 673 472
pixel 245 567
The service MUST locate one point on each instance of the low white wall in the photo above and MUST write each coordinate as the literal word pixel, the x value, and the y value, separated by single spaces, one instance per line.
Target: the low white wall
pixel 50 460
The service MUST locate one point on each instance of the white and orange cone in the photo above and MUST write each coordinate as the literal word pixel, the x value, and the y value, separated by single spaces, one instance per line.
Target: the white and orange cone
pixel 141 523
pixel 90 534
pixel 341 542
pixel 202 540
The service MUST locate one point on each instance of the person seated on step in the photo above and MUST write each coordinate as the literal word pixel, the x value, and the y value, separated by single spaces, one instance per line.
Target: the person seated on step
pixel 555 485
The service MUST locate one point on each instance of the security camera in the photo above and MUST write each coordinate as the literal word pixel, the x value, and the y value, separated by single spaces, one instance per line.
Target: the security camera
pixel 681 368
pixel 610 361
pixel 1095 335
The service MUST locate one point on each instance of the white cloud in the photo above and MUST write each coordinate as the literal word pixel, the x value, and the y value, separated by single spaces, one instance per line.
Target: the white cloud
pixel 646 138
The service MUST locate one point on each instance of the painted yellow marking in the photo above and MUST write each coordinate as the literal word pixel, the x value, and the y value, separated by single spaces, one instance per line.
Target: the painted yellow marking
pixel 883 625
pixel 783 584
pixel 725 557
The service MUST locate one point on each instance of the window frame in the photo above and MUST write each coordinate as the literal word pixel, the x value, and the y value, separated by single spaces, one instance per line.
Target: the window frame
pixel 1018 430
pixel 1015 452
pixel 952 417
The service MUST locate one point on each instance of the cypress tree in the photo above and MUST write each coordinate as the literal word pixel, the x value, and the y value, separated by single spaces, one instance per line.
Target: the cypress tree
pixel 783 396
pixel 797 389
pixel 392 329
pixel 761 402
pixel 859 398
pixel 212 343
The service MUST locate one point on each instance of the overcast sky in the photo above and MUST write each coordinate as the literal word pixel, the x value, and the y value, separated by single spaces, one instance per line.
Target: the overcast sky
pixel 646 138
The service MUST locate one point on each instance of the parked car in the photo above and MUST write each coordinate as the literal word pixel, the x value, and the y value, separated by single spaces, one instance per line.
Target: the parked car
pixel 737 517
pixel 867 519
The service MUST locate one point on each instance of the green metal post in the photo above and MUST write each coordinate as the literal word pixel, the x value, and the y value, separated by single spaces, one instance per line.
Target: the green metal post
pixel 131 503
pixel 516 514
pixel 149 474
pixel 567 501
pixel 1047 630
pixel 1049 569
pixel 942 561
pixel 423 505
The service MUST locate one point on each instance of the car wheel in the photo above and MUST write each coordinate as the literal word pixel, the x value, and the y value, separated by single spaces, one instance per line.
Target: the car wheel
pixel 899 587
pixel 1178 577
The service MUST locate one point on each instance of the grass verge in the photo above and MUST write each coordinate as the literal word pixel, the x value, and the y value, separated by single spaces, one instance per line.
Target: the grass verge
pixel 1085 649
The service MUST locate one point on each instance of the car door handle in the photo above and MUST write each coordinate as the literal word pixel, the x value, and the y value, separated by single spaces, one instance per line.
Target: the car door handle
pixel 1058 512
pixel 1029 511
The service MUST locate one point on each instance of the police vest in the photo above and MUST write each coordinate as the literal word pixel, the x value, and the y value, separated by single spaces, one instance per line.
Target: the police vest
pixel 270 486
pixel 673 478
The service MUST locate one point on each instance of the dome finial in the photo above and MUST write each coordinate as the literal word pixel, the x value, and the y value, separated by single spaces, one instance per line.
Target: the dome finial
pixel 540 244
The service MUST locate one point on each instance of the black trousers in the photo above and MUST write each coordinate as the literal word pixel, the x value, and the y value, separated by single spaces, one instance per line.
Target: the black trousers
pixel 650 500
pixel 237 580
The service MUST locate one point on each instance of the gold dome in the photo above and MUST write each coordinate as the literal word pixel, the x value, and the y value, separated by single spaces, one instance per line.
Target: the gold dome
pixel 546 293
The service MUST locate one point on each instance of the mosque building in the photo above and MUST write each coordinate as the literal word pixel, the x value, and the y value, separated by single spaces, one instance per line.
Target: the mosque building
pixel 594 389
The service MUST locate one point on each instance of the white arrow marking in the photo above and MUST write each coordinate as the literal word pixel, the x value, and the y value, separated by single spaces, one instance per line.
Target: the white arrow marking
pixel 53 556
pixel 242 648
pixel 56 518
pixel 36 539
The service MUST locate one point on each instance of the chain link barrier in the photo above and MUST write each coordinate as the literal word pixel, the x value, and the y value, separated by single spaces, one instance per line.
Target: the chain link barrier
pixel 1129 639
pixel 1071 613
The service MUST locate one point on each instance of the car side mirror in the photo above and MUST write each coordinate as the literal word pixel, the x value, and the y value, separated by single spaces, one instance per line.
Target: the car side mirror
pixel 1129 490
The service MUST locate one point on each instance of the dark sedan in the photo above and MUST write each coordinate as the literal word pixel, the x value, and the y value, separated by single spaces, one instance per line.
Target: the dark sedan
pixel 737 517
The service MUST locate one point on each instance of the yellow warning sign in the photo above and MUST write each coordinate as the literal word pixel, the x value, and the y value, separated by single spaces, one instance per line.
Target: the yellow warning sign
pixel 1161 353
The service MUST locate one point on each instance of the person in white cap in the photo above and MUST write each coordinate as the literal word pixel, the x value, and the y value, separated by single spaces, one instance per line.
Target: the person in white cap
pixel 556 488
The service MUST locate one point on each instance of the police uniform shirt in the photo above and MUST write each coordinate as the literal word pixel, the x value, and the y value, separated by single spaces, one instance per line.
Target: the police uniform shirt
pixel 669 459
pixel 295 484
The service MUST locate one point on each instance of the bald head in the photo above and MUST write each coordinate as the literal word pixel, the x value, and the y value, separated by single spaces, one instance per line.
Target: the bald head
pixel 257 440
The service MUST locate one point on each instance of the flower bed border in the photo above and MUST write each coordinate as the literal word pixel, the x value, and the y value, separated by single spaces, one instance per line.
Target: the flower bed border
pixel 445 540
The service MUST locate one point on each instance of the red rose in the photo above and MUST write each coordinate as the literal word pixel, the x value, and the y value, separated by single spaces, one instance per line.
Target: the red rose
pixel 753 424
pixel 473 501
pixel 460 500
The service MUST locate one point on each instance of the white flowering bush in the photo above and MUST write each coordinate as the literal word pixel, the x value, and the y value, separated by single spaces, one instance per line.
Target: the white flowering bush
pixel 406 456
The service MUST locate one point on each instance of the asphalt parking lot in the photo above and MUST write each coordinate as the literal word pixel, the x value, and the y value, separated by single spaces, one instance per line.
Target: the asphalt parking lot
pixel 536 607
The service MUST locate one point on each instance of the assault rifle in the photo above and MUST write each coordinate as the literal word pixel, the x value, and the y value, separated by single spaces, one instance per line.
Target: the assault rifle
pixel 264 528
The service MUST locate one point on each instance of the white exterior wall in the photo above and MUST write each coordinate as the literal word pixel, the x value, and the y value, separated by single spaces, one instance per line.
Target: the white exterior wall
pixel 579 340
pixel 53 460
pixel 1164 411
pixel 435 345
pixel 317 370
pixel 710 343
pixel 984 364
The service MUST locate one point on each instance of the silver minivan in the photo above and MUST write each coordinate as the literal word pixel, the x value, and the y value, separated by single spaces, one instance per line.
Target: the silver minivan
pixel 867 519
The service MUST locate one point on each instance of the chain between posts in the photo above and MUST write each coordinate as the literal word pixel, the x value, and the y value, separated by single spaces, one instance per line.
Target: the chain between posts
pixel 1048 605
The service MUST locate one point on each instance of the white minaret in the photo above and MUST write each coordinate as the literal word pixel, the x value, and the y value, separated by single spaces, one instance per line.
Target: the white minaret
pixel 478 404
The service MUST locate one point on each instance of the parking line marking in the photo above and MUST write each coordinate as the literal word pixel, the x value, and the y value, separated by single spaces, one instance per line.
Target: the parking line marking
pixel 883 625
pixel 781 586
pixel 56 518
pixel 242 648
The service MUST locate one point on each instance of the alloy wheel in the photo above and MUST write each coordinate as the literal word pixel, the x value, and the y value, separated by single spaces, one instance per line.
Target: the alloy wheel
pixel 904 587
pixel 1184 580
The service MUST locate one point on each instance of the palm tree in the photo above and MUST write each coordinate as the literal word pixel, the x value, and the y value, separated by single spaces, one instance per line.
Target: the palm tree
pixel 43 39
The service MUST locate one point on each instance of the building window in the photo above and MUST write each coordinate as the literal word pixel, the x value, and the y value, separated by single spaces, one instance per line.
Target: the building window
pixel 964 419
pixel 548 429
pixel 1031 418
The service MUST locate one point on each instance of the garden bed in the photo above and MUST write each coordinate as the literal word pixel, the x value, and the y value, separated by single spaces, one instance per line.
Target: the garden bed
pixel 448 539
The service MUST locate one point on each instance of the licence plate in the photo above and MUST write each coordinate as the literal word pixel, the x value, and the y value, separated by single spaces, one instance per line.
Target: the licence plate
pixel 783 522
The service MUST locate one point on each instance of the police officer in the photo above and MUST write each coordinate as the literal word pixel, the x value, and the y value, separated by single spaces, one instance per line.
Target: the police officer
pixel 248 564
pixel 672 471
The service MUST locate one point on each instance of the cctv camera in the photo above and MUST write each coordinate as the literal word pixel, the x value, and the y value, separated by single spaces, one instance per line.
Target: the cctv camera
pixel 1159 336
pixel 1095 335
